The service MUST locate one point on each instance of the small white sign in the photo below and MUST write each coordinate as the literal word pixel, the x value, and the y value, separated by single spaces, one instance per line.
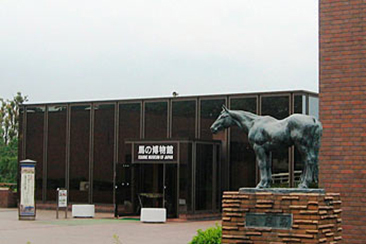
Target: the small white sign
pixel 62 198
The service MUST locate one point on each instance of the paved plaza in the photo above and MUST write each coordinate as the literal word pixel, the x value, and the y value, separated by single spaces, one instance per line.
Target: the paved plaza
pixel 103 229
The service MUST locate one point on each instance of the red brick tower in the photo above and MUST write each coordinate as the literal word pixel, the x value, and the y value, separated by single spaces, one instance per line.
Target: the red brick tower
pixel 343 110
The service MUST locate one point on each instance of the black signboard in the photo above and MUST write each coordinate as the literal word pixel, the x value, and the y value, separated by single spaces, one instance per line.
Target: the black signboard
pixel 268 220
pixel 155 152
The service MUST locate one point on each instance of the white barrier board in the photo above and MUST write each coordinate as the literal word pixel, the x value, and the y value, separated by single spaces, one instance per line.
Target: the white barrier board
pixel 156 215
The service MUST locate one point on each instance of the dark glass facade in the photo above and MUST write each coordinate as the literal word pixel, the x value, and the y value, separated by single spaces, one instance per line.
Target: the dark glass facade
pixel 184 119
pixel 103 147
pixel 156 120
pixel 279 108
pixel 35 117
pixel 56 150
pixel 88 149
pixel 79 185
pixel 242 156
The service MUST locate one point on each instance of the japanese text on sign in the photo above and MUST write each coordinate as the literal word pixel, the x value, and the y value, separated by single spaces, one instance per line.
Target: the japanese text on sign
pixel 155 152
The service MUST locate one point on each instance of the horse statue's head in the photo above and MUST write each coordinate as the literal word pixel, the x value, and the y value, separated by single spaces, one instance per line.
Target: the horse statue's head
pixel 223 121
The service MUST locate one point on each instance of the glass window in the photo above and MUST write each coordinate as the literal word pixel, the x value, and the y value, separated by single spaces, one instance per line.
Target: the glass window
pixel 210 110
pixel 34 145
pixel 300 104
pixel 314 106
pixel 79 153
pixel 156 124
pixel 103 153
pixel 56 150
pixel 185 178
pixel 184 119
pixel 21 134
pixel 299 108
pixel 242 156
pixel 204 176
pixel 129 128
pixel 278 107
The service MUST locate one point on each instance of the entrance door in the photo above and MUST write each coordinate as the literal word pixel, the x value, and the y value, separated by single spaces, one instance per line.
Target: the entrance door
pixel 124 201
pixel 155 187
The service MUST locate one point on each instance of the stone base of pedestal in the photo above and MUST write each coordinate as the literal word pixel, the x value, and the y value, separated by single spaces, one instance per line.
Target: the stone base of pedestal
pixel 272 217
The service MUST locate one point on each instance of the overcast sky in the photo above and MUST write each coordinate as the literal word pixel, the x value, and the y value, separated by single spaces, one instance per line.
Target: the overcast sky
pixel 70 50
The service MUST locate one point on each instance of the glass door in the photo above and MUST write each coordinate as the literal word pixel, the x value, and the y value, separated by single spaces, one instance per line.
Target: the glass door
pixel 155 186
pixel 124 201
pixel 123 188
pixel 149 186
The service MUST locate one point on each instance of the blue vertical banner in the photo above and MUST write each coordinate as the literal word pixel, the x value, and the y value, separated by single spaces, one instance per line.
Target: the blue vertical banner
pixel 27 207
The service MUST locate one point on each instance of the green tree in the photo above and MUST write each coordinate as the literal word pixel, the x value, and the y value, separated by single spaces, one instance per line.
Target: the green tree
pixel 9 130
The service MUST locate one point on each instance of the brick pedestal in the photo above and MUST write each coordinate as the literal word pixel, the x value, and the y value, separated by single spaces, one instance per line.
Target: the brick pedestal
pixel 316 217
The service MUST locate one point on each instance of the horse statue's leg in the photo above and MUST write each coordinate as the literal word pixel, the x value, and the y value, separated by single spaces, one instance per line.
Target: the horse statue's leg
pixel 307 156
pixel 309 150
pixel 263 161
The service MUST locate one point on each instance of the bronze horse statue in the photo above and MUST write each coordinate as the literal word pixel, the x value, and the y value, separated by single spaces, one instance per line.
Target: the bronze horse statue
pixel 266 134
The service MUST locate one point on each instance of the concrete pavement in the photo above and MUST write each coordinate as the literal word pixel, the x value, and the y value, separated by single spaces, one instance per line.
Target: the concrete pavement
pixel 102 229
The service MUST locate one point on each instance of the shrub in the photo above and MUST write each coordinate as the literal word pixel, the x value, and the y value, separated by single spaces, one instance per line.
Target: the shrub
pixel 210 236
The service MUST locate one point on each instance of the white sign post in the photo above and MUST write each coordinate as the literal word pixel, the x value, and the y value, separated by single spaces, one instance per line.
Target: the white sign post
pixel 27 208
pixel 61 201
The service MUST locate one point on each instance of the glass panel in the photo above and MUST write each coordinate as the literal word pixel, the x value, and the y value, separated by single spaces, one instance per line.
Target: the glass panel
pixel 184 119
pixel 21 135
pixel 103 153
pixel 34 144
pixel 156 123
pixel 129 127
pixel 79 153
pixel 314 106
pixel 300 108
pixel 242 156
pixel 278 107
pixel 300 104
pixel 171 190
pixel 149 185
pixel 185 178
pixel 204 176
pixel 123 184
pixel 56 150
pixel 218 177
pixel 210 110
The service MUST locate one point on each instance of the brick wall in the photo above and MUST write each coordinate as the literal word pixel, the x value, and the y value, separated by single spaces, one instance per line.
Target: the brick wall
pixel 343 109
pixel 8 199
pixel 316 218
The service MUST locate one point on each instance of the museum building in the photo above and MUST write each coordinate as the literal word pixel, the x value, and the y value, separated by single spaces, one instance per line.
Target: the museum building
pixel 129 154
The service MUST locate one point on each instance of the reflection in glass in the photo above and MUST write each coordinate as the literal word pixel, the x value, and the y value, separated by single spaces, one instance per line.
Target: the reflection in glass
pixel 299 108
pixel 300 104
pixel 103 153
pixel 278 107
pixel 242 156
pixel 129 127
pixel 156 124
pixel 210 110
pixel 171 190
pixel 314 106
pixel 204 176
pixel 184 119
pixel 56 150
pixel 148 183
pixel 185 178
pixel 34 145
pixel 79 153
